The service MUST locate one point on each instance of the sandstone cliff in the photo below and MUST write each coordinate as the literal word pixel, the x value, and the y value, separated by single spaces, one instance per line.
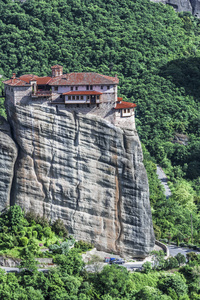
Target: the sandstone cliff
pixel 86 171
pixel 8 155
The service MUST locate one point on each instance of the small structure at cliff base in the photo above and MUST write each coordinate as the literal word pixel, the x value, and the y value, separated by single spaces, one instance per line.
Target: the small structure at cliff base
pixel 79 159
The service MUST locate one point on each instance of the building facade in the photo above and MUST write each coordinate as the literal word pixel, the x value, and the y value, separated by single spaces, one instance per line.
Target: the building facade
pixel 82 92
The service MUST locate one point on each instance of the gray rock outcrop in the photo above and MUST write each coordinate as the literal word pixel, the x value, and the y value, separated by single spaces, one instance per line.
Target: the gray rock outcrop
pixel 192 6
pixel 8 155
pixel 86 171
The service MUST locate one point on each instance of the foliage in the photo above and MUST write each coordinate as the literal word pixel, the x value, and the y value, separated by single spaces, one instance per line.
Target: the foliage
pixel 59 228
pixel 83 246
pixel 33 219
pixel 147 267
pixel 24 241
pixel 180 258
pixel 72 263
pixel 173 284
pixel 114 280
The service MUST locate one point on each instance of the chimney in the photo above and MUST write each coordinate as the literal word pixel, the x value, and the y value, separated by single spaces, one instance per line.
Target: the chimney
pixel 14 76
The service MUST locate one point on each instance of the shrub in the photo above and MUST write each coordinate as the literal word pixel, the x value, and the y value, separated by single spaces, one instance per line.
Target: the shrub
pixel 173 283
pixel 147 267
pixel 55 249
pixel 83 246
pixel 24 241
pixel 35 234
pixel 33 219
pixel 22 233
pixel 29 234
pixel 47 232
pixel 59 228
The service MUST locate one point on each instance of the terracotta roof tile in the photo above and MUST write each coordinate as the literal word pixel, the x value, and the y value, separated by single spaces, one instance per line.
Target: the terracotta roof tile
pixel 84 79
pixel 123 104
pixel 82 93
pixel 28 77
pixel 56 66
pixel 40 80
pixel 43 80
pixel 16 82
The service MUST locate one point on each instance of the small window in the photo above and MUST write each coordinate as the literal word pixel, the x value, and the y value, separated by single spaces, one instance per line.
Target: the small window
pixel 91 87
pixel 88 97
pixel 88 105
pixel 72 88
pixel 69 97
pixel 108 87
pixel 101 87
pixel 77 105
pixel 76 88
pixel 124 110
pixel 87 87
pixel 55 88
pixel 81 97
pixel 73 97
pixel 128 110
pixel 77 97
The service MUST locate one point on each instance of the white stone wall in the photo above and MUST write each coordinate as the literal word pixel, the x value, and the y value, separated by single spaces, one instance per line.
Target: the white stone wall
pixel 109 91
pixel 97 88
pixel 127 112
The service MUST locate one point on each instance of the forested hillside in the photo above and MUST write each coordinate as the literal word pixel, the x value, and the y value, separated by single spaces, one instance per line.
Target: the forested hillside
pixel 155 53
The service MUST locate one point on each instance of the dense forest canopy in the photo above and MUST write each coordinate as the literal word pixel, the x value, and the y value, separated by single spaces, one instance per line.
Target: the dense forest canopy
pixel 155 53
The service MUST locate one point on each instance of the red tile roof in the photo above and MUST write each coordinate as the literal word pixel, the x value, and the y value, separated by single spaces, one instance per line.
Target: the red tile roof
pixel 82 93
pixel 43 80
pixel 119 98
pixel 40 80
pixel 16 82
pixel 84 79
pixel 28 77
pixel 56 66
pixel 123 104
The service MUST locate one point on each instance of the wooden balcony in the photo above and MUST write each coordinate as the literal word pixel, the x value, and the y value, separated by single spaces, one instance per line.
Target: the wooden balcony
pixel 41 94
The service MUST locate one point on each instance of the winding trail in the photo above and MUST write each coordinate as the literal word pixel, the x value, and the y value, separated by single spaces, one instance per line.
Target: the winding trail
pixel 163 179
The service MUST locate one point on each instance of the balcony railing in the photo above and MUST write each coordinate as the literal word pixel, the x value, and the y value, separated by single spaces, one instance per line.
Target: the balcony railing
pixel 41 93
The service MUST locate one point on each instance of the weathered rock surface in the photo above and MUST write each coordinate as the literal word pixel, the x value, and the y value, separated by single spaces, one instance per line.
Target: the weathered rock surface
pixel 192 6
pixel 8 155
pixel 86 171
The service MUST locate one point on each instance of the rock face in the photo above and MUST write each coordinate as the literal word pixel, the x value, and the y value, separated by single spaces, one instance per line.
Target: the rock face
pixel 86 171
pixel 192 6
pixel 8 155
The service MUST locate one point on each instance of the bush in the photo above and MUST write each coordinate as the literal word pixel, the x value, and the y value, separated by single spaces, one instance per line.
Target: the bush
pixel 24 241
pixel 59 228
pixel 55 249
pixel 173 283
pixel 33 219
pixel 83 246
pixel 47 232
pixel 29 234
pixel 22 233
pixel 147 267
pixel 35 234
